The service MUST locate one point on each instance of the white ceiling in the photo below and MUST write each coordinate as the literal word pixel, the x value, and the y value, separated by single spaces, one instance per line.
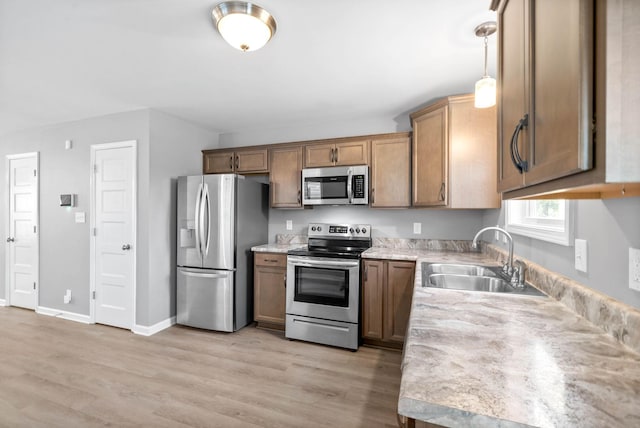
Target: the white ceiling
pixel 66 60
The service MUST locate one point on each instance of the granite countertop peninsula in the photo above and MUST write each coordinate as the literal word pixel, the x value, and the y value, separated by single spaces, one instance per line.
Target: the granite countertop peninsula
pixel 474 359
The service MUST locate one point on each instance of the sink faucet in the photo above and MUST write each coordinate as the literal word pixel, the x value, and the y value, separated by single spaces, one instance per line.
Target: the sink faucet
pixel 508 267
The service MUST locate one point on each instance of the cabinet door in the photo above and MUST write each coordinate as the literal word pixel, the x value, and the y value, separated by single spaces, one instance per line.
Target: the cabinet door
pixel 562 90
pixel 285 177
pixel 352 153
pixel 316 155
pixel 512 99
pixel 270 288
pixel 390 173
pixel 218 162
pixel 251 161
pixel 430 137
pixel 398 292
pixel 372 299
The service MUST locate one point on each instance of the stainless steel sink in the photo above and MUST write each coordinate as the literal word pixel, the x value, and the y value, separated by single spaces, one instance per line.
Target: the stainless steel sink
pixel 459 269
pixel 455 276
pixel 470 283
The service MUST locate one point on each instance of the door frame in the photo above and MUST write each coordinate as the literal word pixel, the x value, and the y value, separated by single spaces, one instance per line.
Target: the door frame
pixel 92 223
pixel 7 287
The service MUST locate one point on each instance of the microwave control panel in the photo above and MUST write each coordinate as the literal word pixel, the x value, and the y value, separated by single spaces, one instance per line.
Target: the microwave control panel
pixel 358 186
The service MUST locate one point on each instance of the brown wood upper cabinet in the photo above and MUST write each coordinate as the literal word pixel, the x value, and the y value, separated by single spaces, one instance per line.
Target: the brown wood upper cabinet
pixel 545 89
pixel 387 288
pixel 249 161
pixel 454 162
pixel 391 172
pixel 269 288
pixel 336 154
pixel 562 77
pixel 285 176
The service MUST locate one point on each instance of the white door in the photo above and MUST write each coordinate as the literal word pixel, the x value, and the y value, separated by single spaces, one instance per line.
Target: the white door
pixel 113 223
pixel 22 231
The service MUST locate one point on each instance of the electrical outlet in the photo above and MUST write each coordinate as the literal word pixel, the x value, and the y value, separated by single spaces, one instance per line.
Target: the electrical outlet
pixel 289 224
pixel 67 297
pixel 417 228
pixel 581 255
pixel 497 234
pixel 634 269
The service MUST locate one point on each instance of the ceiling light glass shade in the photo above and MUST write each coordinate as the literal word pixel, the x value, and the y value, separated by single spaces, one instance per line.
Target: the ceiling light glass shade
pixel 485 92
pixel 245 26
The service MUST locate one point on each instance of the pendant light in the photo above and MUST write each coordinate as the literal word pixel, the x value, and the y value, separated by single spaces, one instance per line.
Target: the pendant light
pixel 245 26
pixel 485 95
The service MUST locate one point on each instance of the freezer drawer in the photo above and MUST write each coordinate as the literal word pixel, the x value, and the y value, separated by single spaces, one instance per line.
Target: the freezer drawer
pixel 205 299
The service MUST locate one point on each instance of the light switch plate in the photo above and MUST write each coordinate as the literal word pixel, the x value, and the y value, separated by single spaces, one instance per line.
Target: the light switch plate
pixel 289 224
pixel 417 228
pixel 581 255
pixel 634 269
pixel 80 217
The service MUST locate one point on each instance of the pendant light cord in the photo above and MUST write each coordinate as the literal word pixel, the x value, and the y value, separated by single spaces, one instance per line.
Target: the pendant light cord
pixel 486 43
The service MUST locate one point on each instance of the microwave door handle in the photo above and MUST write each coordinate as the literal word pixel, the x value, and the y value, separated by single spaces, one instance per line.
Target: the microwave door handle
pixel 349 189
pixel 197 219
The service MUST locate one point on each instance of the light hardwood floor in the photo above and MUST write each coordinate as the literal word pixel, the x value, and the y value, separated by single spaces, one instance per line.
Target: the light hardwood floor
pixel 55 372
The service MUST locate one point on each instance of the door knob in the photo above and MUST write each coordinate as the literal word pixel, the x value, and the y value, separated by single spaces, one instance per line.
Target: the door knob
pixel 10 239
pixel 126 247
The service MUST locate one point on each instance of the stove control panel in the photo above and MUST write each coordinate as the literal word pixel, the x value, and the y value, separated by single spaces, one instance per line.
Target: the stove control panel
pixel 340 230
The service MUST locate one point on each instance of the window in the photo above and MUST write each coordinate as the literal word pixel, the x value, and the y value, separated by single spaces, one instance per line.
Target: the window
pixel 548 220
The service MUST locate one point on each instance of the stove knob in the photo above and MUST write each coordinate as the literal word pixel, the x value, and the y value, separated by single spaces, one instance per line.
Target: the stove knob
pixel 357 230
pixel 313 228
pixel 319 229
pixel 351 230
pixel 364 230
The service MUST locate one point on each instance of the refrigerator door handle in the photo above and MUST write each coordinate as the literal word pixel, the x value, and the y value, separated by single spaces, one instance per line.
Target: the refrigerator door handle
pixel 208 211
pixel 201 214
pixel 202 275
pixel 197 219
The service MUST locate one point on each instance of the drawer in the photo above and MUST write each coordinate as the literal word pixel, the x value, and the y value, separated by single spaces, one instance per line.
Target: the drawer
pixel 270 259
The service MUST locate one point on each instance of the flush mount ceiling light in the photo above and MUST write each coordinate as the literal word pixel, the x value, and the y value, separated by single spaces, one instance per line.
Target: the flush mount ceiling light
pixel 485 87
pixel 245 26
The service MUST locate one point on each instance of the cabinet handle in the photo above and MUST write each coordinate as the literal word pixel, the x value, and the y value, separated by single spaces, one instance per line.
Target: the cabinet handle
pixel 441 195
pixel 285 280
pixel 231 162
pixel 237 161
pixel 337 153
pixel 520 164
pixel 271 260
pixel 299 197
pixel 331 156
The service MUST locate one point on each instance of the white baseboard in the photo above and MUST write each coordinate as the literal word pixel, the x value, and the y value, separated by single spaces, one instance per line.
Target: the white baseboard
pixel 72 316
pixel 151 330
pixel 3 302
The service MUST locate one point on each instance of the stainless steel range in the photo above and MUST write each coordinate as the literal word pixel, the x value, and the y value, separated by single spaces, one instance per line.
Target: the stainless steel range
pixel 323 285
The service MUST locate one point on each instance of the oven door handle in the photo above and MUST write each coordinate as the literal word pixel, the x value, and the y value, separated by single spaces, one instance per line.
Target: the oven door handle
pixel 323 263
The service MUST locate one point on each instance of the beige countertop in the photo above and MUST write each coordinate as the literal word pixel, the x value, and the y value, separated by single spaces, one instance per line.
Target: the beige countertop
pixel 276 248
pixel 489 359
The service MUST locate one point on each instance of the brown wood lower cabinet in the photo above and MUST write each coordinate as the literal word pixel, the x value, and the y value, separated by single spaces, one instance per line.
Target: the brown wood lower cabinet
pixel 387 287
pixel 269 289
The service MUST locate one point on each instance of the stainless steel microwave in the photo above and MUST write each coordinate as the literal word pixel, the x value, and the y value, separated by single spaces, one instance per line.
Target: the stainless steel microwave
pixel 338 185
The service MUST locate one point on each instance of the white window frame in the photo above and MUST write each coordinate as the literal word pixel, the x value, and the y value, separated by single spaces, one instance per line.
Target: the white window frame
pixel 519 223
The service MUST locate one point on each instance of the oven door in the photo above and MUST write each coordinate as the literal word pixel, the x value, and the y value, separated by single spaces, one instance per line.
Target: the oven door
pixel 325 288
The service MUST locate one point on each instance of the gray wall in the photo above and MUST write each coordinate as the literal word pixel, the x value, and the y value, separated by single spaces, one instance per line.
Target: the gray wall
pixel 175 150
pixel 610 228
pixel 436 224
pixel 64 244
pixel 167 148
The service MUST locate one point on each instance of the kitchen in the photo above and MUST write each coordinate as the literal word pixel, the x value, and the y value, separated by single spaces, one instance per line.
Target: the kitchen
pixel 169 147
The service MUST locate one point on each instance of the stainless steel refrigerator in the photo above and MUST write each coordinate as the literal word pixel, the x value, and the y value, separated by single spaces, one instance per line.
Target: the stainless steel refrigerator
pixel 220 217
